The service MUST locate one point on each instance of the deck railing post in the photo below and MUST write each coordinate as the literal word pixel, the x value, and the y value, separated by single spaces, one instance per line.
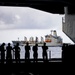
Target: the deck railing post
pixel 49 54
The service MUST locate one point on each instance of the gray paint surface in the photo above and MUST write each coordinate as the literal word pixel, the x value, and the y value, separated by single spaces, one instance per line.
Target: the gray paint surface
pixel 68 27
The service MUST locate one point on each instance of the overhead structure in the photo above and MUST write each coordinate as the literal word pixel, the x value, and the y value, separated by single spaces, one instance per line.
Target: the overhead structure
pixel 52 6
pixel 68 24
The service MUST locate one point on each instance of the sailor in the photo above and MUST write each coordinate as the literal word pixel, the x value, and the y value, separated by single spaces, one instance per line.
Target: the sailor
pixel 9 52
pixel 17 52
pixel 27 49
pixel 35 54
pixel 44 48
pixel 2 49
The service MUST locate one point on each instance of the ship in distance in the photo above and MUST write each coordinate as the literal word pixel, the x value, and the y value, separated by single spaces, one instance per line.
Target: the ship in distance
pixel 50 40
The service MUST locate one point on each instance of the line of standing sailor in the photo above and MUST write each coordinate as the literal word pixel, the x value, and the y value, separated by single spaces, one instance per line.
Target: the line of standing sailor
pixel 16 51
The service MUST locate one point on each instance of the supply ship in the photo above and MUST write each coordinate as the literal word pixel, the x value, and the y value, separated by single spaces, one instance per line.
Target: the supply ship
pixel 50 40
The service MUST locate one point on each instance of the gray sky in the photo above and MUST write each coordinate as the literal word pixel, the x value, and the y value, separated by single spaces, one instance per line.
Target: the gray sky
pixel 21 21
pixel 27 18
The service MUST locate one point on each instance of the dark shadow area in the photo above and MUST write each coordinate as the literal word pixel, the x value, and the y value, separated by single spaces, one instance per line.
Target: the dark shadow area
pixel 31 69
pixel 68 53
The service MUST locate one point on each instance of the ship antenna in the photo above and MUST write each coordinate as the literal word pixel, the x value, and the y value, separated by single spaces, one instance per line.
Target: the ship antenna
pixel 51 32
pixel 18 38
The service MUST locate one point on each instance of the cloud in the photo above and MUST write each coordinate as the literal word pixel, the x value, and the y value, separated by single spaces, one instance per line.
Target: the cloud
pixel 27 18
pixel 17 17
pixel 7 18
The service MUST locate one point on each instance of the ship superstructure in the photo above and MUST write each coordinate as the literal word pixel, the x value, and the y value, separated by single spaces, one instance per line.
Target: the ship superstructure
pixel 50 40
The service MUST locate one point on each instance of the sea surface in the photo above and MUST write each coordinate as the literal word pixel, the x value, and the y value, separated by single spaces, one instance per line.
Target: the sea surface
pixel 53 52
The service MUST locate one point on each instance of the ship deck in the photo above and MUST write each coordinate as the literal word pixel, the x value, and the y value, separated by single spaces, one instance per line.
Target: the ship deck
pixel 23 61
pixel 30 68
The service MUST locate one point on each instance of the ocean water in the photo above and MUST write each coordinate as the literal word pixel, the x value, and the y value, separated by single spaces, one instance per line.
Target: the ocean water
pixel 53 52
